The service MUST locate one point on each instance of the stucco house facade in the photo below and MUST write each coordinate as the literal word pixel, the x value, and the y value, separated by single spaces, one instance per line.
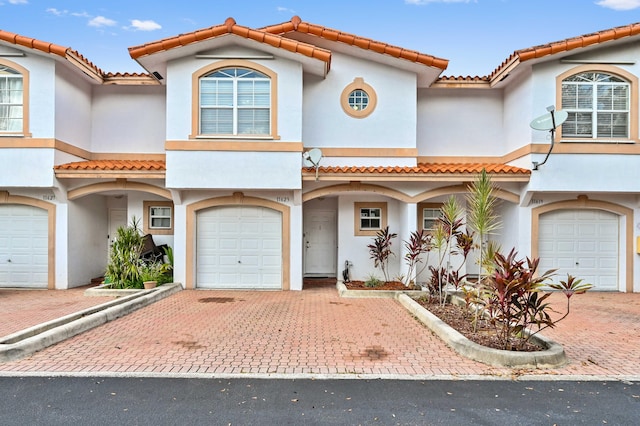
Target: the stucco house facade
pixel 206 149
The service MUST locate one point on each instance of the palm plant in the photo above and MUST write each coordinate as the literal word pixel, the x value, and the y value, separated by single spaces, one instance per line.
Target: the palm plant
pixel 481 216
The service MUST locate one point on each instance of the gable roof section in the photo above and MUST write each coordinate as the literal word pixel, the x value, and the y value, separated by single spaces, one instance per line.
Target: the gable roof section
pixel 544 50
pixel 73 57
pixel 297 25
pixel 231 27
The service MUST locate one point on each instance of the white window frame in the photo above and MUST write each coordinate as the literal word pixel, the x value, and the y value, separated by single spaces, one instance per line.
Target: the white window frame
pixel 594 81
pixel 8 74
pixel 236 75
pixel 148 217
pixel 359 208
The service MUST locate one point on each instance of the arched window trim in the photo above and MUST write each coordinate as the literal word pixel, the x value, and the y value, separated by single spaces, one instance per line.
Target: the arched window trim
pixel 25 99
pixel 633 100
pixel 232 63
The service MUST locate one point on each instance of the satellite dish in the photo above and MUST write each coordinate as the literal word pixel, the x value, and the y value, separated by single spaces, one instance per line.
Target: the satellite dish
pixel 546 122
pixel 312 157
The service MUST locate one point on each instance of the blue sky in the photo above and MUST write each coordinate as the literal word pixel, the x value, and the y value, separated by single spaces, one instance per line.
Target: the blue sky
pixel 475 35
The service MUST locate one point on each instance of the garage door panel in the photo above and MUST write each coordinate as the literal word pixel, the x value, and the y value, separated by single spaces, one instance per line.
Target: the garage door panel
pixel 239 247
pixel 563 229
pixel 586 248
pixel 24 242
pixel 587 230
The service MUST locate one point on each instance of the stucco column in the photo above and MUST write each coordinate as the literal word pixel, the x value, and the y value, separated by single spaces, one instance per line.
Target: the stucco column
pixel 408 223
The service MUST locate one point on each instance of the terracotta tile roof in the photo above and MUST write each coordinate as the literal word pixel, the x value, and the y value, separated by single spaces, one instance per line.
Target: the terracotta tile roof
pixel 569 44
pixel 114 165
pixel 230 27
pixel 297 25
pixel 32 43
pixel 427 168
pixel 64 52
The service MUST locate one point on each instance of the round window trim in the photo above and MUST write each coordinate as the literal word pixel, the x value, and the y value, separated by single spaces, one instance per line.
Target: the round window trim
pixel 358 90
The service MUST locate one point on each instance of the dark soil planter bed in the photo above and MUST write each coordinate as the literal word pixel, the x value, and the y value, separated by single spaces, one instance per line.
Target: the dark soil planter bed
pixel 549 355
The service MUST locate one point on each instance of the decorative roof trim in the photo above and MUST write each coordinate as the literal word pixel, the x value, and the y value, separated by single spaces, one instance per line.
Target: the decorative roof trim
pixel 114 165
pixel 567 45
pixel 297 25
pixel 230 27
pixel 73 57
pixel 431 171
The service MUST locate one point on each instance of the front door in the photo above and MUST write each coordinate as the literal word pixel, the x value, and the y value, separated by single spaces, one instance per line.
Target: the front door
pixel 117 218
pixel 320 243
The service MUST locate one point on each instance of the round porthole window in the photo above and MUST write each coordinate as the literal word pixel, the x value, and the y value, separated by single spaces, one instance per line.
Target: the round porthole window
pixel 358 99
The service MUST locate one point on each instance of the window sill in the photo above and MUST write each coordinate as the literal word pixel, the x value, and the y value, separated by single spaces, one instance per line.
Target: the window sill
pixel 599 141
pixel 234 137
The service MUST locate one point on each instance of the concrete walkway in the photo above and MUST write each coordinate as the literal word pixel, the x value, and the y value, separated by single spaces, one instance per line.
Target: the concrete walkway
pixel 312 333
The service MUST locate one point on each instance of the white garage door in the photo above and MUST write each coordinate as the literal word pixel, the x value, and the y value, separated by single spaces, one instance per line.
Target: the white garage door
pixel 23 246
pixel 239 247
pixel 583 243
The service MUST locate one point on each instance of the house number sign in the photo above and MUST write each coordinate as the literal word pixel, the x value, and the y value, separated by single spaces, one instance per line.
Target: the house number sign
pixel 282 199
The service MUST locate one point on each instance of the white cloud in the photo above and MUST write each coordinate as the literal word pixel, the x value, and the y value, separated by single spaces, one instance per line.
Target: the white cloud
pixel 56 12
pixel 101 21
pixel 148 25
pixel 619 4
pixel 18 2
pixel 283 9
pixel 80 14
pixel 421 2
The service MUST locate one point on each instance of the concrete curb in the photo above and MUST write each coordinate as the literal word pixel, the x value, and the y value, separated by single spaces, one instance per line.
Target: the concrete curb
pixel 374 294
pixel 553 356
pixel 23 343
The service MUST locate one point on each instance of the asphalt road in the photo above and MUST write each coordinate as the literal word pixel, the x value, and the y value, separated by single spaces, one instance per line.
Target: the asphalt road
pixel 150 401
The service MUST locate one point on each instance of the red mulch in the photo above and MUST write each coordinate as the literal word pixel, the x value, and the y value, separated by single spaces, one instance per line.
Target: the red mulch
pixel 389 285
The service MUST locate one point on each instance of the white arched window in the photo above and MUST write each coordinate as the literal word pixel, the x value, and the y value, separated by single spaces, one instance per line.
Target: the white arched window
pixel 235 101
pixel 598 104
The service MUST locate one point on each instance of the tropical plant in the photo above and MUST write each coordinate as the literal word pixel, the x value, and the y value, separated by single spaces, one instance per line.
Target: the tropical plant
pixel 380 250
pixel 481 216
pixel 123 269
pixel 152 271
pixel 515 300
pixel 419 243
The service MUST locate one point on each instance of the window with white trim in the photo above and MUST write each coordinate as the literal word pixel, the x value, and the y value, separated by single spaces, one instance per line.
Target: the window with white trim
pixel 11 100
pixel 369 218
pixel 598 104
pixel 235 101
pixel 158 218
pixel 430 217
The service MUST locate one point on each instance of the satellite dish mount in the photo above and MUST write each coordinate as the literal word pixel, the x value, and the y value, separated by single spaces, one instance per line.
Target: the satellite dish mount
pixel 312 159
pixel 549 123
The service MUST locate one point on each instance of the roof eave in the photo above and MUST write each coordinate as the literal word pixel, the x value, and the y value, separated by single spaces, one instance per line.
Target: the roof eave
pixel 412 177
pixel 110 174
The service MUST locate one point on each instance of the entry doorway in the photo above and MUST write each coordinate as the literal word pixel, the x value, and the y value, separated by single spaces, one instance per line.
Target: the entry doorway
pixel 320 243
pixel 117 218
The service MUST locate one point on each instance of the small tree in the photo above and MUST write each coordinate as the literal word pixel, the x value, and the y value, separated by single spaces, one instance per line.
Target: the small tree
pixel 380 250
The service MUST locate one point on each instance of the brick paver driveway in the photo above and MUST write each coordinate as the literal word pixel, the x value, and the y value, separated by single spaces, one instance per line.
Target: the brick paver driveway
pixel 315 332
